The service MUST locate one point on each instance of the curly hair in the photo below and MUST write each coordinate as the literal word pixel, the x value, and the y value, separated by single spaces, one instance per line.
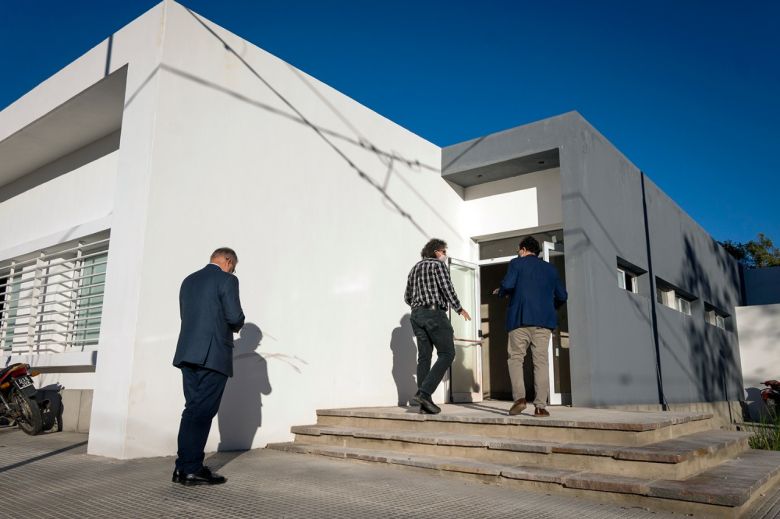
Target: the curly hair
pixel 429 251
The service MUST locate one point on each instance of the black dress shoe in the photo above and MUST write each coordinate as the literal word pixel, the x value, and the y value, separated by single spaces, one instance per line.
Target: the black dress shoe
pixel 426 404
pixel 176 476
pixel 202 477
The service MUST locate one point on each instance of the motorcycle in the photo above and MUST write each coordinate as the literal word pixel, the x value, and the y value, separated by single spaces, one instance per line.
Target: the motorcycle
pixel 771 396
pixel 18 402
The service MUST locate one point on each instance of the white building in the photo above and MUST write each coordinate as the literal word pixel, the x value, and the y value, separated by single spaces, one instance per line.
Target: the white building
pixel 123 171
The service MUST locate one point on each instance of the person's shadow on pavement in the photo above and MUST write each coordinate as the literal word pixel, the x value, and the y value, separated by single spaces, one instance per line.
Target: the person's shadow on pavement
pixel 404 360
pixel 240 413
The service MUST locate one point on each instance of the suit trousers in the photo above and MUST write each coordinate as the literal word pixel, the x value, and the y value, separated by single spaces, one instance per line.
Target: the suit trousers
pixel 203 390
pixel 432 329
pixel 539 340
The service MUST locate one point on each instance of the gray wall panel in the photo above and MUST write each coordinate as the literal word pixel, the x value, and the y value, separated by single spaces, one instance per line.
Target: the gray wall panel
pixel 700 361
pixel 613 357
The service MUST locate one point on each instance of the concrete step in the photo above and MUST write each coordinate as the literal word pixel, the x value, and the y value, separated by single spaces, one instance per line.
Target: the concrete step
pixel 565 425
pixel 727 490
pixel 669 459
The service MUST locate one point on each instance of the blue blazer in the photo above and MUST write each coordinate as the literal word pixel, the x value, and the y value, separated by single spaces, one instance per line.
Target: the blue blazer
pixel 210 312
pixel 535 291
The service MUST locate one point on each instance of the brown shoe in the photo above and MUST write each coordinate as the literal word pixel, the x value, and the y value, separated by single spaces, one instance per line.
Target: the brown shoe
pixel 541 411
pixel 517 407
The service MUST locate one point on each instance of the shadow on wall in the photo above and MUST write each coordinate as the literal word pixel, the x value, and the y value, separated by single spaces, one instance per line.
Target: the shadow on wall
pixel 404 360
pixel 713 353
pixel 712 368
pixel 325 135
pixel 240 414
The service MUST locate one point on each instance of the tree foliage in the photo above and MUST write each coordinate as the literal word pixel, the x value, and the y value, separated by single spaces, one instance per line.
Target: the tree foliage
pixel 758 253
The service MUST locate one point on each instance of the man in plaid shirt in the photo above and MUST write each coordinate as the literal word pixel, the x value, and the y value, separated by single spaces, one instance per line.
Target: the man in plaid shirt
pixel 429 292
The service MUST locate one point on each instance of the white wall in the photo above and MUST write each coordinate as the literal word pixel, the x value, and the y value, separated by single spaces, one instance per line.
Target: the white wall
pixel 82 195
pixel 758 328
pixel 139 45
pixel 75 201
pixel 323 255
pixel 521 202
pixel 210 156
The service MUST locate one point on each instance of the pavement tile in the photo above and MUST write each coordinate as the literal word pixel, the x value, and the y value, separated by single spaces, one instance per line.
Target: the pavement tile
pixel 265 483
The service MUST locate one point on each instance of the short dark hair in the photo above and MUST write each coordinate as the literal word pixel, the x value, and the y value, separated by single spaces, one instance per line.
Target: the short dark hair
pixel 429 251
pixel 530 244
pixel 227 253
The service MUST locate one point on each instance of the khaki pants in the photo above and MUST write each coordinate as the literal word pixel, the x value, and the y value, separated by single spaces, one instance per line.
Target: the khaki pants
pixel 539 339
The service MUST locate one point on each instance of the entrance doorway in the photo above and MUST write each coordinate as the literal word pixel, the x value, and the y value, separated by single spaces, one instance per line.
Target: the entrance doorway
pixel 496 385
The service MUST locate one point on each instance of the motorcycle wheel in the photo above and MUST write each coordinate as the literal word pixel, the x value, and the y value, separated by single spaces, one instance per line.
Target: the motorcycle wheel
pixel 31 421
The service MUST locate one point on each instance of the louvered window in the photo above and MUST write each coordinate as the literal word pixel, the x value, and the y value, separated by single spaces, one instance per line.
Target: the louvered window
pixel 51 301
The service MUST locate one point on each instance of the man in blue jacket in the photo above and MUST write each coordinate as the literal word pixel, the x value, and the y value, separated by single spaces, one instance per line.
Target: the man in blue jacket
pixel 535 291
pixel 210 313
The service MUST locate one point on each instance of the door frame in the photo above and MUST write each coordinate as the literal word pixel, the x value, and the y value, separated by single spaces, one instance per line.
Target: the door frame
pixel 464 343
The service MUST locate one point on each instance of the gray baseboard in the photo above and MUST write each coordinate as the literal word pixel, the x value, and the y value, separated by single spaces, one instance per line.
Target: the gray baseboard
pixel 77 410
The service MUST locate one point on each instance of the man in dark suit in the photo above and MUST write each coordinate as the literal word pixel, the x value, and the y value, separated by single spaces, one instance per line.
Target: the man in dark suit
pixel 535 291
pixel 210 313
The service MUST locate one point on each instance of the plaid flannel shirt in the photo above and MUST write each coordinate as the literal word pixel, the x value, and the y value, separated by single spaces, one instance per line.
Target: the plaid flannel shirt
pixel 429 284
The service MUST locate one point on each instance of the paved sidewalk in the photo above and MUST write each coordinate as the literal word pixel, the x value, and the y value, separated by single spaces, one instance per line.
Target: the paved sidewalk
pixel 54 474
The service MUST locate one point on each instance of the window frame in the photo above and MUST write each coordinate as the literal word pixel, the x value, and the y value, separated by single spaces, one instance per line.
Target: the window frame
pixel 52 298
pixel 673 298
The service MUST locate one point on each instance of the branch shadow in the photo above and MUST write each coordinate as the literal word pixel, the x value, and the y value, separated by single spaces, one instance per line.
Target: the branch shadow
pixel 301 118
pixel 712 368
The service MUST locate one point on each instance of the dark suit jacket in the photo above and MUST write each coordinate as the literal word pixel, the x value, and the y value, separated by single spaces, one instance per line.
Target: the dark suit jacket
pixel 210 312
pixel 536 291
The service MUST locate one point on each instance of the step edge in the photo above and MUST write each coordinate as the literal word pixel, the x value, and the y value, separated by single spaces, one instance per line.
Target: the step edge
pixel 617 452
pixel 573 480
pixel 519 420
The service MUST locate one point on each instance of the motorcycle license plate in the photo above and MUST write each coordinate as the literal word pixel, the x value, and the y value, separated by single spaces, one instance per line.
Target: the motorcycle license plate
pixel 23 382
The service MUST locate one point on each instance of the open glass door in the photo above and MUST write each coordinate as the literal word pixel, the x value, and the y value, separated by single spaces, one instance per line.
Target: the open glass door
pixel 558 352
pixel 466 372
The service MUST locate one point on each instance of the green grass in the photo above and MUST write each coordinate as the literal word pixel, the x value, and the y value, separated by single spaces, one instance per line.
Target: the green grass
pixel 766 434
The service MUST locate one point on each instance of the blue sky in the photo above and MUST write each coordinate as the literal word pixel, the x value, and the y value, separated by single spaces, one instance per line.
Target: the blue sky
pixel 689 91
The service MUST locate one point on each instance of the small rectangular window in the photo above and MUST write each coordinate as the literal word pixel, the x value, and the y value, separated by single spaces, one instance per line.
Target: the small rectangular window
pixel 628 276
pixel 683 305
pixel 626 280
pixel 668 295
pixel 715 317
pixel 665 296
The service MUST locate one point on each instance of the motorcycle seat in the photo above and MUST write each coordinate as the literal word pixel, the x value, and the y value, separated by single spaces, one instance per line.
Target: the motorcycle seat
pixel 6 370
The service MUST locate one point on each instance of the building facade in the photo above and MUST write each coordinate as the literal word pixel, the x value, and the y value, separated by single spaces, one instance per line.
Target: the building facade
pixel 122 172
